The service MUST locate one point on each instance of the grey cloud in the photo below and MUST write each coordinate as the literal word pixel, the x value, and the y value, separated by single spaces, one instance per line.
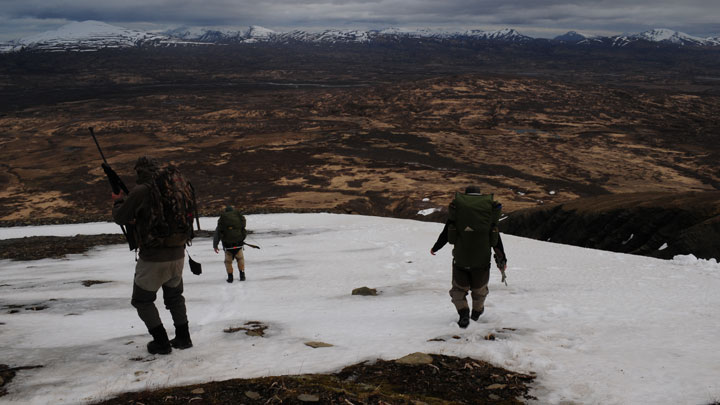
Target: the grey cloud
pixel 692 16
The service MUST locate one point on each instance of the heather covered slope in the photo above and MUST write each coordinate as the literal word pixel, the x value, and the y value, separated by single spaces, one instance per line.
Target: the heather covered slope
pixel 357 128
pixel 660 225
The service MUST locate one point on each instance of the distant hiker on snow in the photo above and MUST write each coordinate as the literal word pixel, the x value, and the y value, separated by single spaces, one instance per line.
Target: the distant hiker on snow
pixel 472 229
pixel 232 232
pixel 161 207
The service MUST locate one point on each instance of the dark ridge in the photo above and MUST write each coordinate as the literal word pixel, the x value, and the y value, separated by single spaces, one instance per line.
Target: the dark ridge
pixel 660 225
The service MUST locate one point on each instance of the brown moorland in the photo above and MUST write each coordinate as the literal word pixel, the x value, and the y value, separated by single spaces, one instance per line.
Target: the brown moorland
pixel 372 141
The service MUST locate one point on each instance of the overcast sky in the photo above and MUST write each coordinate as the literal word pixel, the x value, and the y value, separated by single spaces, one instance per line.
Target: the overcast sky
pixel 537 18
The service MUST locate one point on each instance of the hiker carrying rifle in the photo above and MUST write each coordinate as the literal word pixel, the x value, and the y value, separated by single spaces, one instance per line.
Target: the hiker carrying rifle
pixel 472 229
pixel 162 208
pixel 231 230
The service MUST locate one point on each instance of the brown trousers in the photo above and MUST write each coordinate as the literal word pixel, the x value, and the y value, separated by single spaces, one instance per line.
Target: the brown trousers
pixel 238 256
pixel 474 280
pixel 149 278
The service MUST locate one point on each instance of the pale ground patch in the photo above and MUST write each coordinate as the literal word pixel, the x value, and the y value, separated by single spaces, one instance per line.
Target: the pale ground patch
pixel 311 200
pixel 43 205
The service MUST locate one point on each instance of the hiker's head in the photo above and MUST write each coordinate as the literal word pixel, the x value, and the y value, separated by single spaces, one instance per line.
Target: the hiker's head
pixel 229 208
pixel 473 190
pixel 146 168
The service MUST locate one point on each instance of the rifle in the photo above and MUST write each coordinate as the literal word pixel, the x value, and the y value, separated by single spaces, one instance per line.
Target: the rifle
pixel 117 186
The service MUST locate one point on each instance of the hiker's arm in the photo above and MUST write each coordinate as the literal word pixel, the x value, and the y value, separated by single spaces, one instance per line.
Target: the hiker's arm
pixel 500 257
pixel 216 239
pixel 441 240
pixel 125 209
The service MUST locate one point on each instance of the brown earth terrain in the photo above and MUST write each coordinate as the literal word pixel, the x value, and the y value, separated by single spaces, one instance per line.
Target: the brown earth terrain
pixel 358 142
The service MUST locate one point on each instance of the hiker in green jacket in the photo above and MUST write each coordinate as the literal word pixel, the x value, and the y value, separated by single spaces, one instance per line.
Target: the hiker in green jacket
pixel 472 229
pixel 232 232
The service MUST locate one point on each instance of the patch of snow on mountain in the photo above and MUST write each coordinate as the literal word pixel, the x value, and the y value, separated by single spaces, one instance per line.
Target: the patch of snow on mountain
pixel 666 35
pixel 87 34
pixel 505 34
pixel 257 31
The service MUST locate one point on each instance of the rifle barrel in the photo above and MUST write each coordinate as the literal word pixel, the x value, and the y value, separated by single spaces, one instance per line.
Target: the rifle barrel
pixel 97 144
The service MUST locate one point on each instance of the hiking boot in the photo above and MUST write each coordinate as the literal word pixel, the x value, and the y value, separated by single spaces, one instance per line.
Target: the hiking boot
pixel 475 315
pixel 230 278
pixel 182 337
pixel 464 320
pixel 160 343
pixel 242 276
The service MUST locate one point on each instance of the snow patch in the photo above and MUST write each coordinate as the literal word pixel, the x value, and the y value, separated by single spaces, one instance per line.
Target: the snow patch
pixel 428 211
pixel 691 260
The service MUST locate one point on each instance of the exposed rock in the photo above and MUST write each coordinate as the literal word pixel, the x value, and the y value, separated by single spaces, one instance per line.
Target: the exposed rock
pixel 316 345
pixel 252 328
pixel 252 395
pixel 364 291
pixel 415 358
pixel 308 398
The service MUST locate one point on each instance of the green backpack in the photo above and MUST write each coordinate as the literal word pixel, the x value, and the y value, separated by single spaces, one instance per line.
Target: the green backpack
pixel 472 228
pixel 232 228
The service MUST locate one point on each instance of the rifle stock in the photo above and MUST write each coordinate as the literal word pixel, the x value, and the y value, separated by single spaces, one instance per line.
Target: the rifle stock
pixel 117 186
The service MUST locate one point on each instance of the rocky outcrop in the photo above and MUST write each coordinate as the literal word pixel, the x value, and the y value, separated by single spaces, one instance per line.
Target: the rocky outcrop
pixel 659 225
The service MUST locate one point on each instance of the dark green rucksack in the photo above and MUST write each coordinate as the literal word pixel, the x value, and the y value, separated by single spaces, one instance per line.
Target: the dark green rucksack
pixel 472 228
pixel 232 228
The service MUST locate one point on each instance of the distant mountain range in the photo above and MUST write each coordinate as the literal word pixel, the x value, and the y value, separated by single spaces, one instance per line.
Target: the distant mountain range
pixel 95 35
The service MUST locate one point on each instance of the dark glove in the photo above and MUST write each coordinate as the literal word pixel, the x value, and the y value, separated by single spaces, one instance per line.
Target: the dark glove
pixel 500 262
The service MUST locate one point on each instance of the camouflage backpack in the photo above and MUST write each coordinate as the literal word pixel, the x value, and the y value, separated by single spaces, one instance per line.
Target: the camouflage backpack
pixel 172 209
pixel 472 228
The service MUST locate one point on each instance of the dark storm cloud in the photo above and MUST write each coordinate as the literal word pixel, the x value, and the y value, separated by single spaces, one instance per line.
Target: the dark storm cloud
pixel 551 16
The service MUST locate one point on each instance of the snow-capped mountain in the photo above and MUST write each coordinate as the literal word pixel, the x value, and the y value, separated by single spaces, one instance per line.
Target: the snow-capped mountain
pixel 574 37
pixel 664 36
pixel 94 35
pixel 675 37
pixel 326 36
pixel 505 34
pixel 197 34
pixel 87 35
